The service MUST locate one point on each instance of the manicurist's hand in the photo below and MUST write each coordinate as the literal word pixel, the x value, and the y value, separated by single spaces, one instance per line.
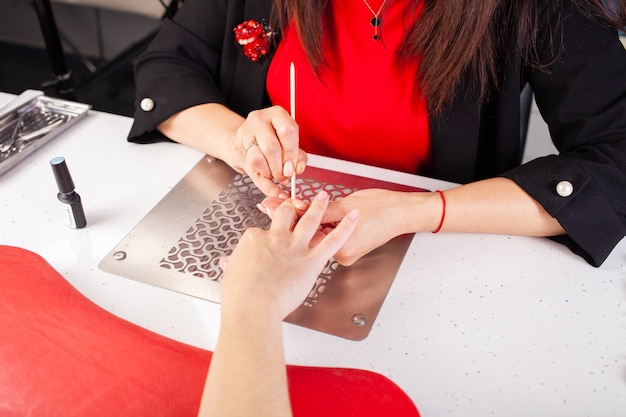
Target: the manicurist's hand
pixel 495 205
pixel 266 147
pixel 384 215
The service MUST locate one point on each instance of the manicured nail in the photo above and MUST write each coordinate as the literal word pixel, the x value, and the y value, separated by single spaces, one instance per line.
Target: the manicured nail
pixel 299 204
pixel 322 195
pixel 223 262
pixel 288 169
pixel 354 214
pixel 262 209
pixel 283 196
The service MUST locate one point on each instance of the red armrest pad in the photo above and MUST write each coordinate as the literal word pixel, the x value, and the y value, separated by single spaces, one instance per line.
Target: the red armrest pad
pixel 62 355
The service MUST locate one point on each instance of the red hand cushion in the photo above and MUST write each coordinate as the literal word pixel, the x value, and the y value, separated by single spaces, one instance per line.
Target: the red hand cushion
pixel 62 355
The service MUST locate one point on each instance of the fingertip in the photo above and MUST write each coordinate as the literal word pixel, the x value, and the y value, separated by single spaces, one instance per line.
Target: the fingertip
pixel 322 195
pixel 353 215
pixel 299 204
pixel 262 208
pixel 223 262
pixel 288 169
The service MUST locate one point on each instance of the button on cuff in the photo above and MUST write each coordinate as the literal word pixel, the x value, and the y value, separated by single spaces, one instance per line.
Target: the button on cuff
pixel 147 104
pixel 564 188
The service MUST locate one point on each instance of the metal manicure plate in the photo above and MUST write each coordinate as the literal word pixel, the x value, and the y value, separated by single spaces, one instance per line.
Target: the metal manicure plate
pixel 30 121
pixel 177 246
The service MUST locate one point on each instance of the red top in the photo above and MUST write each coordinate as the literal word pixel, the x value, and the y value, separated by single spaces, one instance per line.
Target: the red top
pixel 363 107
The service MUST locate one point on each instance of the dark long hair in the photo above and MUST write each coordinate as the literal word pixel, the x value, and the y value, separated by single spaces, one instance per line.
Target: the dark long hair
pixel 454 37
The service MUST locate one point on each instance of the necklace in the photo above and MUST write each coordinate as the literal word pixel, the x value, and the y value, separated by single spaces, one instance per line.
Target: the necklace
pixel 375 21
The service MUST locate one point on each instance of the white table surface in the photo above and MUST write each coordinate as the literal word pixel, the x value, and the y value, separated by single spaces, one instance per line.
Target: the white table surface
pixel 474 325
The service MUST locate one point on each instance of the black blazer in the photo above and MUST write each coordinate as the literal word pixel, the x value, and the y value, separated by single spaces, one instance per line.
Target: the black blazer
pixel 194 59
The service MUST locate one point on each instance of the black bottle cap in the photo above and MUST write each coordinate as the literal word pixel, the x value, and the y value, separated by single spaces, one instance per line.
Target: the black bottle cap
pixel 62 175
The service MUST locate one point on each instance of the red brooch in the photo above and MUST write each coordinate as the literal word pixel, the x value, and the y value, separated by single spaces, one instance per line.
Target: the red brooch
pixel 254 38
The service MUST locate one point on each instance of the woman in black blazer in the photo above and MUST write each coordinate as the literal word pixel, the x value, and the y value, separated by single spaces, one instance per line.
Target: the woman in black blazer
pixel 196 86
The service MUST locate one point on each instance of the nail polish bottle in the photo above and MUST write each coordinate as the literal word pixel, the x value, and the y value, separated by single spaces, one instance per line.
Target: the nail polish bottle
pixel 73 214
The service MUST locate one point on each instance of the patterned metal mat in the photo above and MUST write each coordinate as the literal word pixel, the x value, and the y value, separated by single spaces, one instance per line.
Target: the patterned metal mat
pixel 179 242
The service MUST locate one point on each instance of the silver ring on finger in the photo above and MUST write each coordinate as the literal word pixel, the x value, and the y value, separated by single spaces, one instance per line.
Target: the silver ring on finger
pixel 249 145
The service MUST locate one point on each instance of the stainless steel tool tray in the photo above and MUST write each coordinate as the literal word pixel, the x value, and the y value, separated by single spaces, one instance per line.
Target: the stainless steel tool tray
pixel 31 121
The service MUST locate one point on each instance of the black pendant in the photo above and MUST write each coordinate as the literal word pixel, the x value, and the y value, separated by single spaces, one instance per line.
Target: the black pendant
pixel 375 22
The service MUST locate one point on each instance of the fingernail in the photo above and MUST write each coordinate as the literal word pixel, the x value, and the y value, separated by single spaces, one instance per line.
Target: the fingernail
pixel 300 168
pixel 283 196
pixel 288 169
pixel 354 214
pixel 261 208
pixel 299 204
pixel 223 262
pixel 322 195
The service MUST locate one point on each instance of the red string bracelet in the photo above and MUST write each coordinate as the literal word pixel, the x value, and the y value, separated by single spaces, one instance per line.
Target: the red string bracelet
pixel 443 213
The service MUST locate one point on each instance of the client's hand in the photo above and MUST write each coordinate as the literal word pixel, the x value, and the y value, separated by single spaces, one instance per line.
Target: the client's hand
pixel 278 267
pixel 266 148
pixel 268 275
